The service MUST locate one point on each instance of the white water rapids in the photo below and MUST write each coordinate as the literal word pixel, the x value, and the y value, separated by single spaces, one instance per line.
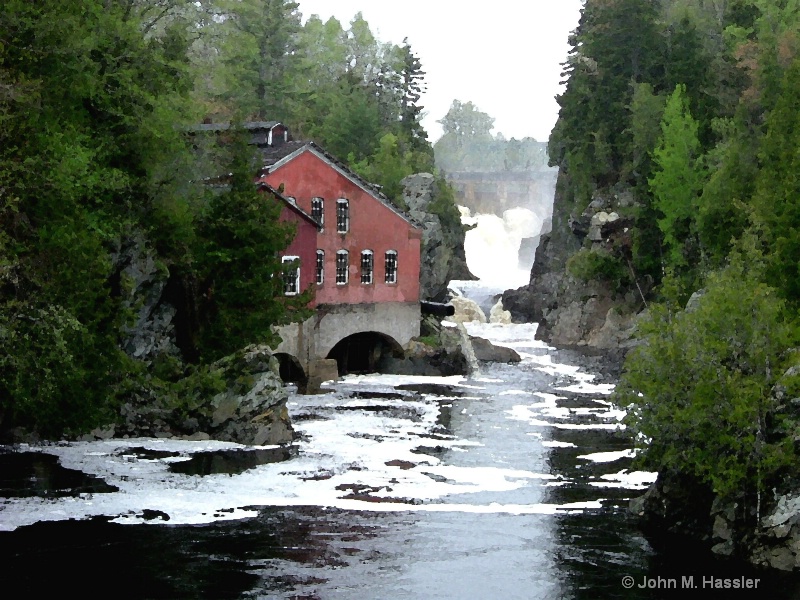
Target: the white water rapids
pixel 365 435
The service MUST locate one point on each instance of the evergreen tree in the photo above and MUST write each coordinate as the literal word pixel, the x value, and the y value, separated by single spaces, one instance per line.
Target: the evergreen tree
pixel 778 187
pixel 258 52
pixel 698 389
pixel 413 86
pixel 678 176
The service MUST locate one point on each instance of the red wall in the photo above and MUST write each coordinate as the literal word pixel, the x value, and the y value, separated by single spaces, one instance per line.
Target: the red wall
pixel 303 245
pixel 373 226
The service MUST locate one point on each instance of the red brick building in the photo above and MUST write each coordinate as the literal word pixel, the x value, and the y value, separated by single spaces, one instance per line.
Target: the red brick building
pixel 302 250
pixel 367 251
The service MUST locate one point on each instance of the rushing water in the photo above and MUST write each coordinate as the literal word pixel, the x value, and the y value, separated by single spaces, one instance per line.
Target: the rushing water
pixel 511 483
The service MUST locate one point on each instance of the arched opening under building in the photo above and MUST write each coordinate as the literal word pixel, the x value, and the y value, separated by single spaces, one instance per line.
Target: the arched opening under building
pixel 362 352
pixel 291 370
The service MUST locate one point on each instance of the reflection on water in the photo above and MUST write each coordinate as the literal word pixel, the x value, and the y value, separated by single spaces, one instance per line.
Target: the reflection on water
pixel 512 484
pixel 230 462
pixel 26 474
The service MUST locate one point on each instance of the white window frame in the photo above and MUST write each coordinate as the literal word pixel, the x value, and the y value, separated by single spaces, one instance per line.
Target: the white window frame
pixel 320 267
pixel 321 216
pixel 342 215
pixel 390 274
pixel 368 274
pixel 342 275
pixel 287 280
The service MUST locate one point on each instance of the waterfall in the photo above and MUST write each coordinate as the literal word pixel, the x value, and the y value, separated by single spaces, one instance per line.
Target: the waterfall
pixel 492 246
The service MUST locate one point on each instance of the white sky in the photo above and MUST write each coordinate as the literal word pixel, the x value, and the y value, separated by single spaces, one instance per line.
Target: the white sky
pixel 503 56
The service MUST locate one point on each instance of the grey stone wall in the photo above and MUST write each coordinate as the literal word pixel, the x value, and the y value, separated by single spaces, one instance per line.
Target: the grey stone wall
pixel 315 338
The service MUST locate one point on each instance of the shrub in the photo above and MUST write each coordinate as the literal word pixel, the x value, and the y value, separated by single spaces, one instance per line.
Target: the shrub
pixel 699 389
pixel 597 265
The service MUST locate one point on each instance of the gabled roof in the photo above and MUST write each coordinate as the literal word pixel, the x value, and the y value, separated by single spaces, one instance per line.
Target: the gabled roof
pixel 292 205
pixel 274 158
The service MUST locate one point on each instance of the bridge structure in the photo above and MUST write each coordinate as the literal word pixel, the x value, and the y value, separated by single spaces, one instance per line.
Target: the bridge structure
pixel 345 338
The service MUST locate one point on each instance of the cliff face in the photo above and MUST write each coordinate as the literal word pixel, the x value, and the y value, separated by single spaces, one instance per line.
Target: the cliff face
pixel 443 256
pixel 582 310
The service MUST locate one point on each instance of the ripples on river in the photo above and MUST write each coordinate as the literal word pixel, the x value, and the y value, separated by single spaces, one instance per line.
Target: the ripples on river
pixel 511 483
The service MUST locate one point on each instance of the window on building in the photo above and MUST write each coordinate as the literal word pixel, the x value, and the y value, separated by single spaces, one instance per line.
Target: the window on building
pixel 391 266
pixel 342 266
pixel 291 275
pixel 342 216
pixel 320 266
pixel 318 211
pixel 367 266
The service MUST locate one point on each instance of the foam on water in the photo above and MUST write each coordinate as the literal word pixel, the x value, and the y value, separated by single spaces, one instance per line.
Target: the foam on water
pixel 354 453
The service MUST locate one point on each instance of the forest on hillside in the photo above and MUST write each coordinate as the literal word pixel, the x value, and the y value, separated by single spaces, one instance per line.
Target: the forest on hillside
pixel 693 107
pixel 96 97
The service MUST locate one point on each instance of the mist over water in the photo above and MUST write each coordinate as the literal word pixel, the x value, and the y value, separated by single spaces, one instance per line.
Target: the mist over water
pixel 492 247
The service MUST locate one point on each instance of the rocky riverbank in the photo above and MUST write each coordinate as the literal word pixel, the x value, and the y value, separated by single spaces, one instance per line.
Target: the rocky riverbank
pixel 762 529
pixel 586 297
pixel 240 399
pixel 581 292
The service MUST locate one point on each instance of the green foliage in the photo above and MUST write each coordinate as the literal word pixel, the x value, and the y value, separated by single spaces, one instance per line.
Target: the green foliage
pixel 239 268
pixel 715 186
pixel 430 340
pixel 698 388
pixel 590 265
pixel 467 144
pixel 443 204
pixel 647 110
pixel 88 106
pixel 678 176
pixel 615 46
pixel 722 211
pixel 778 187
pixel 255 59
pixel 54 372
pixel 92 98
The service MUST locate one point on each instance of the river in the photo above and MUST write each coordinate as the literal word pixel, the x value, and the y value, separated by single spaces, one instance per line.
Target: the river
pixel 510 483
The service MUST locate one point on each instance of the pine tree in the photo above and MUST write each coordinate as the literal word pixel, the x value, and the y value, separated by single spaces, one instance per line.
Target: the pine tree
pixel 778 187
pixel 678 176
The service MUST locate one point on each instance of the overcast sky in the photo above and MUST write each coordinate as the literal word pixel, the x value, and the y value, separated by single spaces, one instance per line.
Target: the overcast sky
pixel 502 55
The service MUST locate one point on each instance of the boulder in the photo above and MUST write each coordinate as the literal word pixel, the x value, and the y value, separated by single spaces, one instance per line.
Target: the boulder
pixel 488 352
pixel 466 310
pixel 498 314
pixel 250 410
pixel 616 332
pixel 253 408
pixel 420 358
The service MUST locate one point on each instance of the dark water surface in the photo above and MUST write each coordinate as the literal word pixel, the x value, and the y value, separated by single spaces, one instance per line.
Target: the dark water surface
pixel 510 511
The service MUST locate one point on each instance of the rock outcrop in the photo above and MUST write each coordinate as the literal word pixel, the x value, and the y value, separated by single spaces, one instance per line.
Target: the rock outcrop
pixel 595 312
pixel 437 354
pixel 486 351
pixel 443 256
pixel 498 314
pixel 142 279
pixel 250 409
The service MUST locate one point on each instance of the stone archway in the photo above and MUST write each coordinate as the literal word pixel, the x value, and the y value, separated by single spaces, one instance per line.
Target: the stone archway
pixel 361 352
pixel 291 370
